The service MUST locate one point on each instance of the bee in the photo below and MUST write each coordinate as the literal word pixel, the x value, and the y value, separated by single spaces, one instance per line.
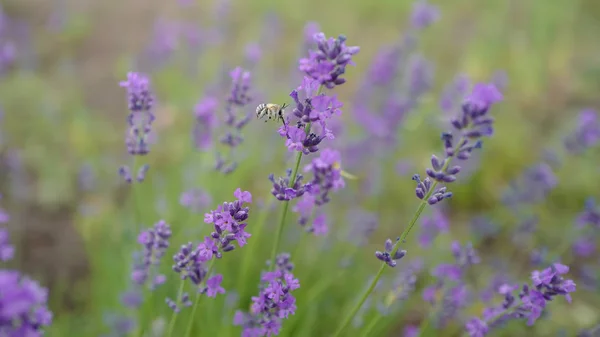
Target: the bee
pixel 272 111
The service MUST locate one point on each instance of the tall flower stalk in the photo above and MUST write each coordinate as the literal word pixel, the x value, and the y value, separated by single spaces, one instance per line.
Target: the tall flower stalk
pixel 472 124
pixel 323 68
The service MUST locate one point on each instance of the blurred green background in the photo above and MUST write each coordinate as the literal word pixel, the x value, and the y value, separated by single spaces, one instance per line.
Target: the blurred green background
pixel 64 122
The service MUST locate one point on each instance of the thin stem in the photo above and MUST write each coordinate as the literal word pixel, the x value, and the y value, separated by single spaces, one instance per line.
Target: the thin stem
pixel 371 326
pixel 402 238
pixel 174 315
pixel 188 330
pixel 286 206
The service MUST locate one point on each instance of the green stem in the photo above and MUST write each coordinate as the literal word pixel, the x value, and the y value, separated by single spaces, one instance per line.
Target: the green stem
pixel 174 314
pixel 402 238
pixel 371 326
pixel 286 206
pixel 188 330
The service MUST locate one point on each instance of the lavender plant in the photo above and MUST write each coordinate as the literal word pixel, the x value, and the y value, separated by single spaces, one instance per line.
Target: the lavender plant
pixel 23 302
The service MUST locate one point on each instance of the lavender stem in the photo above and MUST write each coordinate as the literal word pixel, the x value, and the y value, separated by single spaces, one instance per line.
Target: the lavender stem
pixel 286 206
pixel 188 330
pixel 174 315
pixel 411 224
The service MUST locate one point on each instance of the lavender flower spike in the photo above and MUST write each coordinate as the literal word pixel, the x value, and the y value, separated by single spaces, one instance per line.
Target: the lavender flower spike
pixel 530 302
pixel 328 63
pixel 155 242
pixel 274 303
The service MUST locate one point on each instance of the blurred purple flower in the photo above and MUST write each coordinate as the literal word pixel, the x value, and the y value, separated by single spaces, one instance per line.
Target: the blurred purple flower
pixel 155 242
pixel 584 247
pixel 432 226
pixel 586 133
pixel 7 251
pixel 141 117
pixel 23 302
pixel 411 331
pixel 274 303
pixel 530 302
pixel 328 62
pixel 239 97
pixel 327 176
pixel 195 199
pixel 424 14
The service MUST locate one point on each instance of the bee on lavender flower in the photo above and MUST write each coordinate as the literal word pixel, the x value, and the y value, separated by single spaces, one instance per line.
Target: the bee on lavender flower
pixel 271 111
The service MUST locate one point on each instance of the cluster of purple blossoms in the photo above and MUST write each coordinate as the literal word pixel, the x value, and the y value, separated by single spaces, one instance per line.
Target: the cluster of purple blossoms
pixel 450 282
pixel 586 133
pixel 190 264
pixel 588 223
pixel 328 62
pixel 388 256
pixel 141 116
pixel 473 124
pixel 312 108
pixel 327 178
pixel 274 303
pixel 23 302
pixel 229 221
pixel 238 98
pixel 530 302
pixel 155 242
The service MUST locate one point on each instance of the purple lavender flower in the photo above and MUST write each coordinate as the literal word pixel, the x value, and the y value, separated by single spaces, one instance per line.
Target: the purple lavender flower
pixel 229 221
pixel 327 176
pixel 141 116
pixel 312 108
pixel 189 264
pixel 239 97
pixel 586 133
pixel 155 242
pixel 388 256
pixel 473 124
pixel 273 304
pixel 590 216
pixel 476 327
pixel 424 14
pixel 213 286
pixel 205 113
pixel 328 62
pixel 530 302
pixel 451 284
pixel 284 190
pixel 23 302
pixel 7 251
